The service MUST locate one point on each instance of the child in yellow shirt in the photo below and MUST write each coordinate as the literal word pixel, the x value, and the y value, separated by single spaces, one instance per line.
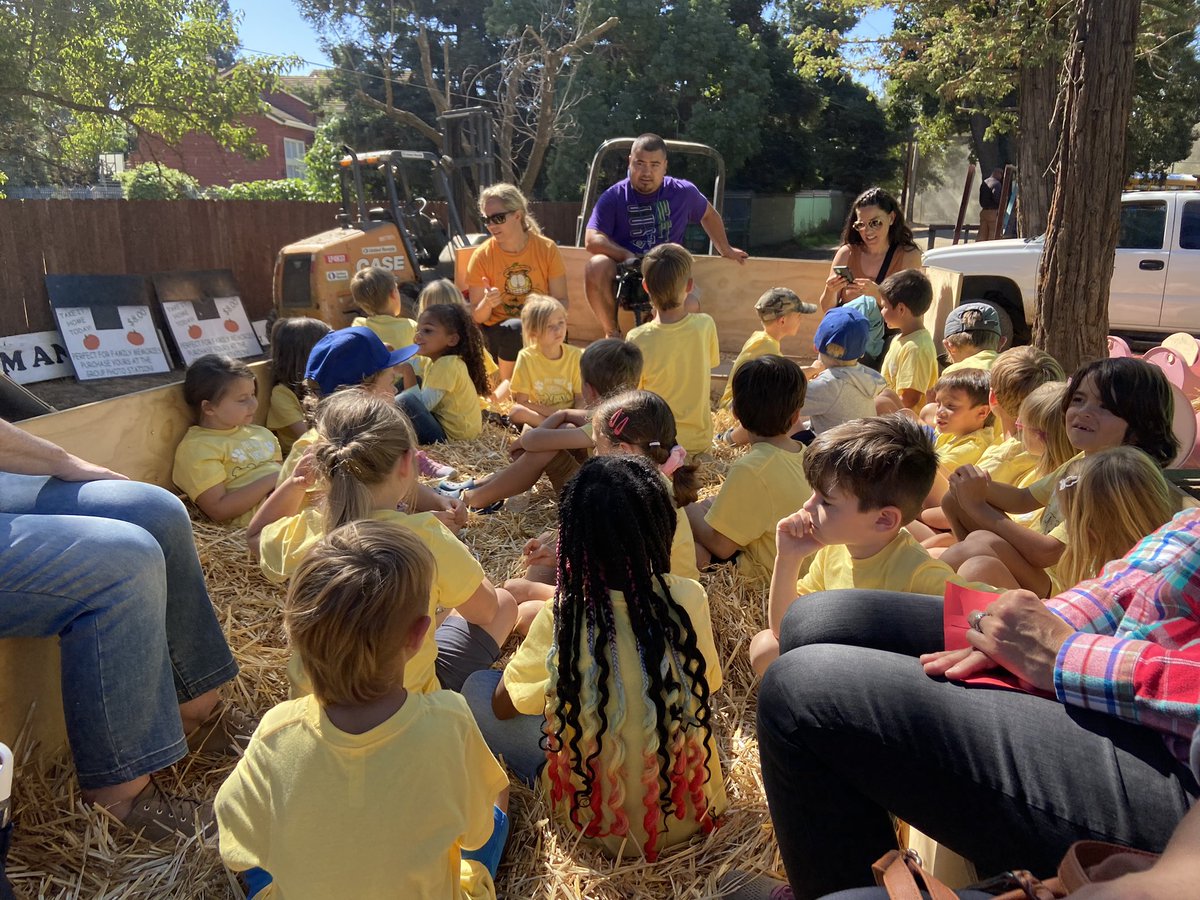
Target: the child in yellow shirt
pixel 330 778
pixel 680 348
pixel 445 407
pixel 375 292
pixel 616 676
pixel 225 462
pixel 910 367
pixel 292 340
pixel 964 424
pixel 546 377
pixel 765 484
pixel 869 477
pixel 779 310
pixel 972 336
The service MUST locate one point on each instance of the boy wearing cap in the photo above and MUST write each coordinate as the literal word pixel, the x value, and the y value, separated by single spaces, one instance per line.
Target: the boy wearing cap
pixel 843 389
pixel 972 337
pixel 779 310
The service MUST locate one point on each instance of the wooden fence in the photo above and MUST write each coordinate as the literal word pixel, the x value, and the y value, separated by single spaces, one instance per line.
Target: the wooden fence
pixel 141 237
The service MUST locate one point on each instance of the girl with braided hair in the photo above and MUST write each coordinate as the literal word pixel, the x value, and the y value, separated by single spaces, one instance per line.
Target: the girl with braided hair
pixel 610 694
pixel 364 460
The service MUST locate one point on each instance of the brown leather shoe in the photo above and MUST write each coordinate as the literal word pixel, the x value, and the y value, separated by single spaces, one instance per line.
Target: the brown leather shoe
pixel 159 817
pixel 225 732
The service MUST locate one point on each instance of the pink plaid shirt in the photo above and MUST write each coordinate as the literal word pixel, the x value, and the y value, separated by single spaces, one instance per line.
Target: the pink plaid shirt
pixel 1136 651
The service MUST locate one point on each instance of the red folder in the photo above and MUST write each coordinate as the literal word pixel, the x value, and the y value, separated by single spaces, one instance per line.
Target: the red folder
pixel 959 602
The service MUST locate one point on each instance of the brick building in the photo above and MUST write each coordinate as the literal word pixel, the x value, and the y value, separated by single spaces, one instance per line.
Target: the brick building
pixel 286 129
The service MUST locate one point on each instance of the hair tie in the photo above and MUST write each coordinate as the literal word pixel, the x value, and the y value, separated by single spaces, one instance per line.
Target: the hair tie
pixel 617 422
pixel 654 444
pixel 674 461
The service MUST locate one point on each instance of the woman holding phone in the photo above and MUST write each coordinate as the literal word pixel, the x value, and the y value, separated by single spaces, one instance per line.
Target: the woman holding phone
pixel 876 243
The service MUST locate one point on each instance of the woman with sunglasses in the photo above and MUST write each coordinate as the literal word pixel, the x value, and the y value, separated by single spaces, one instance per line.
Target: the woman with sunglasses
pixel 518 261
pixel 875 244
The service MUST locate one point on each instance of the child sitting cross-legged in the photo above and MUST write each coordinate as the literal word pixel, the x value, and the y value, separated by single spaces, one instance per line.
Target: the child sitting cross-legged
pixel 364 788
pixel 610 695
pixel 557 446
pixel 869 477
pixel 679 348
pixel 767 482
pixel 546 377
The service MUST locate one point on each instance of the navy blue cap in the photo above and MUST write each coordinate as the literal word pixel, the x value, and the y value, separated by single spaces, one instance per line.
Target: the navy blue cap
pixel 843 333
pixel 349 356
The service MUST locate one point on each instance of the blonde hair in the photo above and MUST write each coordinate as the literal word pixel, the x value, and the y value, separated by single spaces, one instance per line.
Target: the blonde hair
pixel 1018 372
pixel 665 271
pixel 1110 501
pixel 360 439
pixel 536 315
pixel 352 603
pixel 371 288
pixel 514 201
pixel 1042 411
pixel 441 291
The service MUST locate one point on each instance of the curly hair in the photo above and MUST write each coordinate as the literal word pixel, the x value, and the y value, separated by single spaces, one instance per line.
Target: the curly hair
pixel 456 318
pixel 586 707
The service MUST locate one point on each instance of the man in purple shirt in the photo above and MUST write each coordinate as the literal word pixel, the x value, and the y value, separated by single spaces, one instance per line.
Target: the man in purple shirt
pixel 646 209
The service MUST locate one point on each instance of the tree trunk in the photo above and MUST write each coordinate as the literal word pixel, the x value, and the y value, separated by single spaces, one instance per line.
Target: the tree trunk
pixel 1038 88
pixel 1092 115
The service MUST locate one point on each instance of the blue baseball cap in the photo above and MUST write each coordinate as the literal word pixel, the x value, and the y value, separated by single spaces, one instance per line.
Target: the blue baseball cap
pixel 843 333
pixel 349 356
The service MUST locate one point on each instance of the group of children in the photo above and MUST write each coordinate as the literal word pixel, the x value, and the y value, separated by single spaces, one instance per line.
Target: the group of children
pixel 992 472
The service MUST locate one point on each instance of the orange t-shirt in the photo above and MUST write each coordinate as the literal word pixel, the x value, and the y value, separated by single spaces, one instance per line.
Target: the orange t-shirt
pixel 517 275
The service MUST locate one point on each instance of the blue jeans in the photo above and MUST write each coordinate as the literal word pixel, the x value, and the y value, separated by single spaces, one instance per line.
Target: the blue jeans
pixel 517 740
pixel 111 568
pixel 429 430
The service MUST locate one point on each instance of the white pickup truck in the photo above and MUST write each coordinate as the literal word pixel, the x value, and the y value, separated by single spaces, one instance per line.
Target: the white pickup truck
pixel 1156 279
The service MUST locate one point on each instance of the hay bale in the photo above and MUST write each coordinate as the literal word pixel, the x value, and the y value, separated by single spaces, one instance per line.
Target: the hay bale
pixel 64 850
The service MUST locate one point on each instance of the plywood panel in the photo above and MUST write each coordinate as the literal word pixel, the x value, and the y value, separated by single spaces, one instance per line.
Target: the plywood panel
pixel 135 435
pixel 947 292
pixel 30 689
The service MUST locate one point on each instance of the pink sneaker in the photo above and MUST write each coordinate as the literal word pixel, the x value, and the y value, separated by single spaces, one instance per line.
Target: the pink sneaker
pixel 431 468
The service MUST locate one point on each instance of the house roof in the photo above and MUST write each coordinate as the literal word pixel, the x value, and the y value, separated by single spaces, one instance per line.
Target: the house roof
pixel 275 114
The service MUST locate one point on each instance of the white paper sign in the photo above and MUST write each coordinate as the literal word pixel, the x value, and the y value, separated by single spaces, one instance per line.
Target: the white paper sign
pixel 40 356
pixel 230 334
pixel 132 349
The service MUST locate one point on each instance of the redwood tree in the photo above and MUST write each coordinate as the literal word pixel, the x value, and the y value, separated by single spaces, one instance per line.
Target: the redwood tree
pixel 1091 117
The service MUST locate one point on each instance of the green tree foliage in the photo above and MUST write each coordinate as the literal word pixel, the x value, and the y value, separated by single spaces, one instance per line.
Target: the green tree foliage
pixel 320 181
pixel 153 181
pixel 77 78
pixel 1166 107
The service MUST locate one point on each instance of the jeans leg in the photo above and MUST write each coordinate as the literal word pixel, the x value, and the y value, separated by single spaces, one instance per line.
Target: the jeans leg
pixel 518 740
pixel 100 585
pixel 882 620
pixel 429 430
pixel 200 658
pixel 1007 779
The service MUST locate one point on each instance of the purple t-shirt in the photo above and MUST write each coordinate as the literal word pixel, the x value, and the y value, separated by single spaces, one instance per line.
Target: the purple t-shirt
pixel 639 222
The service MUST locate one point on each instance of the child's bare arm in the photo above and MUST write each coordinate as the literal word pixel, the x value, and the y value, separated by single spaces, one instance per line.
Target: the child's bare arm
pixel 972 492
pixel 408 376
pixel 221 504
pixel 542 438
pixel 286 500
pixel 794 543
pixel 704 534
pixel 502 704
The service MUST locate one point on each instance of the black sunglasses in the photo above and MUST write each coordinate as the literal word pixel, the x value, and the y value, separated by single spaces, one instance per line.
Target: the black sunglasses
pixel 498 219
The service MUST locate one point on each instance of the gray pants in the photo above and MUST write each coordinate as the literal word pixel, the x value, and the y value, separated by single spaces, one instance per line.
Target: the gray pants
pixel 850 727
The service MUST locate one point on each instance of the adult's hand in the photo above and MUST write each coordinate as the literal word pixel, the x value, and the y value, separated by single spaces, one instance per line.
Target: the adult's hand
pixel 75 469
pixel 738 256
pixel 1022 635
pixel 869 287
pixel 847 290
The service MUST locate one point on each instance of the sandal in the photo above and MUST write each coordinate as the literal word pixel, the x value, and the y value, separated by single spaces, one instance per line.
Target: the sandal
pixel 225 732
pixel 158 817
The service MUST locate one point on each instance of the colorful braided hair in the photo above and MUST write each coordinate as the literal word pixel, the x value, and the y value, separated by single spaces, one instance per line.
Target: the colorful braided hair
pixel 616 526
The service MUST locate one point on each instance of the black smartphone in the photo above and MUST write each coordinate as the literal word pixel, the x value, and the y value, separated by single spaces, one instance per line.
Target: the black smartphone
pixel 845 272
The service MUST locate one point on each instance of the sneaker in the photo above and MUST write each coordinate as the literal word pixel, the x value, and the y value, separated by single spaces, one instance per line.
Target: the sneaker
pixel 225 732
pixel 739 885
pixel 725 437
pixel 431 468
pixel 455 489
pixel 158 817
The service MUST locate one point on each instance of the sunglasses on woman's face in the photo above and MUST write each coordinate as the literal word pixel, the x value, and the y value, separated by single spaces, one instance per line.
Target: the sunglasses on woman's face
pixel 873 225
pixel 497 219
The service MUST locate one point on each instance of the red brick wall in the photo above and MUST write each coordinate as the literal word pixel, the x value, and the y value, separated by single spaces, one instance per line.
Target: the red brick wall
pixel 210 164
pixel 291 105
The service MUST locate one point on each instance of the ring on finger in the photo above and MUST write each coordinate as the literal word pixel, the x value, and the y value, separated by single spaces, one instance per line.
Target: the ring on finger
pixel 975 619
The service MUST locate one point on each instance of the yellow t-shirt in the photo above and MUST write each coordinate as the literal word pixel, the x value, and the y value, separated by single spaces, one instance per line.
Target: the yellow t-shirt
pixel 678 363
pixel 683 548
pixel 1054 572
pixel 549 382
pixel 911 363
pixel 285 411
pixel 981 360
pixel 458 409
pixel 903 565
pixel 954 450
pixel 233 457
pixel 394 330
pixel 765 485
pixel 457 576
pixel 758 344
pixel 299 445
pixel 527 678
pixel 517 275
pixel 331 814
pixel 1008 462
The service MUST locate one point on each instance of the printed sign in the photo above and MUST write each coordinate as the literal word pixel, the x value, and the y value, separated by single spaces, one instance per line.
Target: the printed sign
pixel 334 258
pixel 337 275
pixel 26 358
pixel 262 332
pixel 229 333
pixel 132 348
